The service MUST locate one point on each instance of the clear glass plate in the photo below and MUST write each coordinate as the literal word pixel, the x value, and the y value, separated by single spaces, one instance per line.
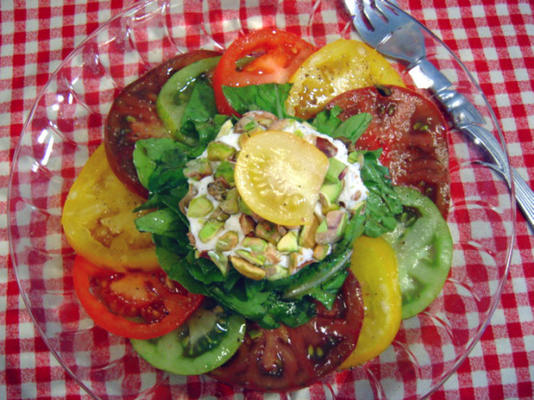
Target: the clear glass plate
pixel 67 123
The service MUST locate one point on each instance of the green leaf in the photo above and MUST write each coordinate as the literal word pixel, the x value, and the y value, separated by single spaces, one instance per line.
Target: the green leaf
pixel 177 270
pixel 353 127
pixel 161 222
pixel 327 292
pixel 267 97
pixel 159 163
pixel 304 281
pixel 327 122
pixel 383 205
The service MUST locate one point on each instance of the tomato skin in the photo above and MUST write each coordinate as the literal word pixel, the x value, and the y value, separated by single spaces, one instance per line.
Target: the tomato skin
pixel 411 130
pixel 335 68
pixel 424 251
pixel 374 264
pixel 280 359
pixel 133 116
pixel 178 304
pixel 99 223
pixel 281 53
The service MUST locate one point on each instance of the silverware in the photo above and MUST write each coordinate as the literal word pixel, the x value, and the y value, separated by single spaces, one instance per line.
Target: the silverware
pixel 396 34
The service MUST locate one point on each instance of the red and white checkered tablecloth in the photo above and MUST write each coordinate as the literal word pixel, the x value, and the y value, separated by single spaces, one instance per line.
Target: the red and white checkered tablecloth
pixel 495 40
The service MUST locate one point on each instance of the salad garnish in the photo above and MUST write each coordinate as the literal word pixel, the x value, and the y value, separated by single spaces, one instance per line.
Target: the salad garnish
pixel 270 180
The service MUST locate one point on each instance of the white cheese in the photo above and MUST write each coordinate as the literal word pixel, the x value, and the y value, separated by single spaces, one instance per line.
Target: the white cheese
pixel 353 193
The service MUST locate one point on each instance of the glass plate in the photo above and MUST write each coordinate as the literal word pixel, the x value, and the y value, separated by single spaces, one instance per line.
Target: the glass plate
pixel 66 124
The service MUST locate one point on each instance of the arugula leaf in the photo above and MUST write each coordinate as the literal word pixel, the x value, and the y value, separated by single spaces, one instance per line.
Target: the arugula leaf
pixel 161 222
pixel 327 292
pixel 159 164
pixel 200 108
pixel 383 205
pixel 174 267
pixel 304 282
pixel 267 97
pixel 327 122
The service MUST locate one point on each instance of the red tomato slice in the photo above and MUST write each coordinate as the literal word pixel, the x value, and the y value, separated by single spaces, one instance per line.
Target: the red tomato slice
pixel 136 305
pixel 412 132
pixel 278 55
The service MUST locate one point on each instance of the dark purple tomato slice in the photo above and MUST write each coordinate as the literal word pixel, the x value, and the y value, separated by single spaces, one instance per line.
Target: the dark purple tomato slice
pixel 289 358
pixel 411 130
pixel 133 116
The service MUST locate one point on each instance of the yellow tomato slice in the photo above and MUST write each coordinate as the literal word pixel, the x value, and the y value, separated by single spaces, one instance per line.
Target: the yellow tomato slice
pixel 375 266
pixel 98 220
pixel 336 68
pixel 278 175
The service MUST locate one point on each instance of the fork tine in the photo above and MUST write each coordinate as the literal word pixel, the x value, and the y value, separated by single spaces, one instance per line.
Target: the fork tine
pixel 390 14
pixel 376 20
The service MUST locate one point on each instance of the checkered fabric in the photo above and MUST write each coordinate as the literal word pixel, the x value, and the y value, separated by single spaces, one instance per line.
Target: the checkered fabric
pixel 494 39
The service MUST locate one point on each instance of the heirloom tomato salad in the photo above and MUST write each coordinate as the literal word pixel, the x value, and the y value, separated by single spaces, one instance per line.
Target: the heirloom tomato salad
pixel 265 215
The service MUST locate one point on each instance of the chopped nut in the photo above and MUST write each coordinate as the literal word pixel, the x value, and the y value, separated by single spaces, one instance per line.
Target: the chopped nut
pixel 197 168
pixel 230 203
pixel 220 260
pixel 217 189
pixel 326 146
pixel 227 241
pixel 225 171
pixel 209 230
pixel 331 228
pixel 321 251
pixel 218 151
pixel 219 215
pixel 247 224
pixel 307 233
pixel 255 244
pixel 268 231
pixel 275 272
pixel 187 198
pixel 254 120
pixel 272 256
pixel 247 269
pixel 199 207
pixel 252 257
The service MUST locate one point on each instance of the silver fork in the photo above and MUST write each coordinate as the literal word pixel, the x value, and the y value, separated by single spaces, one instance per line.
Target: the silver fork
pixel 398 35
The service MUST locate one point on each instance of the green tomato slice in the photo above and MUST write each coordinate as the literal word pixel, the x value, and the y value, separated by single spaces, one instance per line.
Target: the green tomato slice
pixel 175 94
pixel 204 342
pixel 423 245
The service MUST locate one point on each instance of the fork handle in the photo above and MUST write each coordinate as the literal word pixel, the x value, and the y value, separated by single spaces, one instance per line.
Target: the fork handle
pixel 524 196
pixel 467 119
pixel 460 109
pixel 523 193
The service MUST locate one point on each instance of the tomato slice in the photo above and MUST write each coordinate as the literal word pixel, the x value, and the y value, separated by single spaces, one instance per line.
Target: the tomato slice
pixel 99 223
pixel 277 55
pixel 411 131
pixel 133 116
pixel 136 305
pixel 278 175
pixel 374 264
pixel 423 245
pixel 289 358
pixel 336 68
